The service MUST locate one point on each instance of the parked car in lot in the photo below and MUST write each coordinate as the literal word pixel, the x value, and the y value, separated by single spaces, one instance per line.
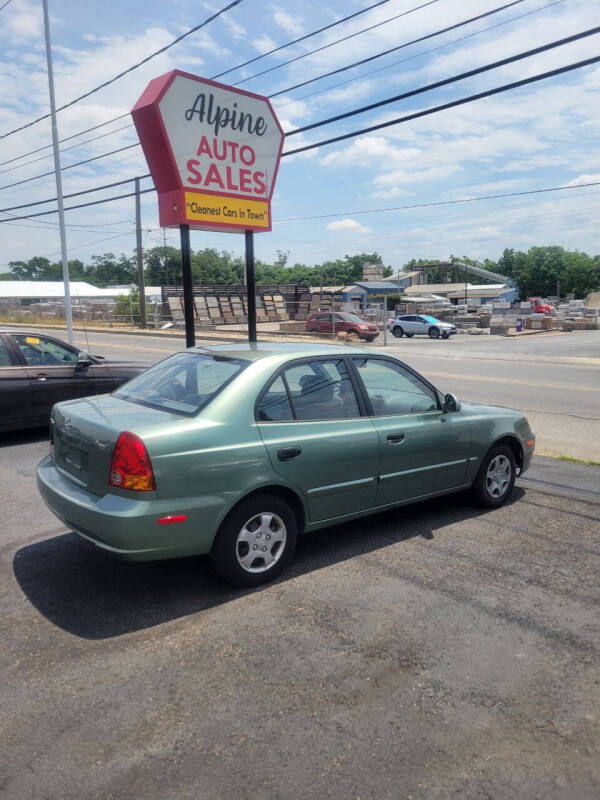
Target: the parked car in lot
pixel 38 371
pixel 332 323
pixel 421 324
pixel 234 450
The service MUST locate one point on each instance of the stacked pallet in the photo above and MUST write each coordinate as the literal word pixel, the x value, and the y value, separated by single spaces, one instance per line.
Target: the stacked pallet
pixel 237 308
pixel 262 314
pixel 176 308
pixel 201 309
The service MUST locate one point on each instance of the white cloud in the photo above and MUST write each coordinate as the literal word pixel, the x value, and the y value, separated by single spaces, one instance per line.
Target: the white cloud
pixel 289 23
pixel 403 176
pixel 581 179
pixel 235 29
pixel 263 43
pixel 25 22
pixel 347 226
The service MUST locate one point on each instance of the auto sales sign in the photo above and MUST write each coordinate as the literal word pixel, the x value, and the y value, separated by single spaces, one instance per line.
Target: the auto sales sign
pixel 213 152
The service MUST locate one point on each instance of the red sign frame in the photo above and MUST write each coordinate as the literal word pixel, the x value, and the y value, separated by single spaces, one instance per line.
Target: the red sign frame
pixel 173 209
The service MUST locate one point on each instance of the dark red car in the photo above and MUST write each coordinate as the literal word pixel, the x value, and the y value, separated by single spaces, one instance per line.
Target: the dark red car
pixel 324 322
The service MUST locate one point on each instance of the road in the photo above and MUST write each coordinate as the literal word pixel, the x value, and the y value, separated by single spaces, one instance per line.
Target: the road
pixel 553 378
pixel 433 652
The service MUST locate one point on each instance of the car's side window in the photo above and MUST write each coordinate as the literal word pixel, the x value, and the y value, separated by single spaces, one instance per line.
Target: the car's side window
pixel 393 389
pixel 322 390
pixel 274 405
pixel 37 350
pixel 5 359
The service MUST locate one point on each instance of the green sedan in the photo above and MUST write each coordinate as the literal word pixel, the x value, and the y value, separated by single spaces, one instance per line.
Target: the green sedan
pixel 234 450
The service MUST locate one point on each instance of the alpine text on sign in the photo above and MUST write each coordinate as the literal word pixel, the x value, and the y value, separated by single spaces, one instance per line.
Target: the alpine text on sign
pixel 213 152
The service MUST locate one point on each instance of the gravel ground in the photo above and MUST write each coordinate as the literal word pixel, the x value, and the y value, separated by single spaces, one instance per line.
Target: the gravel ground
pixel 432 652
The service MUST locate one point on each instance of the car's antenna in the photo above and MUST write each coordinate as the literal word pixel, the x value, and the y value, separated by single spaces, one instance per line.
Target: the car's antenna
pixel 87 343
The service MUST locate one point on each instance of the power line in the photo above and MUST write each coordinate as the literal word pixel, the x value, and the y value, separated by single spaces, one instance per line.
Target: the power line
pixel 73 194
pixel 413 57
pixel 65 139
pixel 70 166
pixel 353 134
pixel 342 116
pixel 446 81
pixel 214 77
pixel 64 149
pixel 442 202
pixel 462 101
pixel 81 205
pixel 398 47
pixel 129 69
pixel 301 38
pixel 343 39
pixel 348 213
pixel 3 6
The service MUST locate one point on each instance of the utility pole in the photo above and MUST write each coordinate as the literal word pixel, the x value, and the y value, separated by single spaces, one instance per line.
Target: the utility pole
pixel 188 287
pixel 58 177
pixel 140 258
pixel 250 286
pixel 557 292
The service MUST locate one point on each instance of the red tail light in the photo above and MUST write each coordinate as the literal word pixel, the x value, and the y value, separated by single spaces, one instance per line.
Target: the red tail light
pixel 130 467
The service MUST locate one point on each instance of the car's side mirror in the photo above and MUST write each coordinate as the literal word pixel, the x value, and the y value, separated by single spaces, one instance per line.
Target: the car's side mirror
pixel 451 403
pixel 83 359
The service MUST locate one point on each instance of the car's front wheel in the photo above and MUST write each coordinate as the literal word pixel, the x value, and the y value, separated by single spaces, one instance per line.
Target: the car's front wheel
pixel 397 331
pixel 496 477
pixel 409 335
pixel 256 541
pixel 434 333
pixel 445 335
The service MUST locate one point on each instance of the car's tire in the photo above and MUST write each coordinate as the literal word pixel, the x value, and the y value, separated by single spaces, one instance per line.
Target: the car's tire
pixel 245 531
pixel 496 477
pixel 370 338
pixel 445 335
pixel 434 333
pixel 313 330
pixel 397 331
pixel 409 335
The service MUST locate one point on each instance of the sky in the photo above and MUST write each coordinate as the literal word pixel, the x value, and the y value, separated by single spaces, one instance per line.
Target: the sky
pixel 538 136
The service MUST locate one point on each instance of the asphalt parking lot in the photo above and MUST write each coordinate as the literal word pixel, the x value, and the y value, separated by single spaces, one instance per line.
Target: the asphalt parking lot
pixel 432 652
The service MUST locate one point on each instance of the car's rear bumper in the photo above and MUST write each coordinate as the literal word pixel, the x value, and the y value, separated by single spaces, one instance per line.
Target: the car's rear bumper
pixel 129 527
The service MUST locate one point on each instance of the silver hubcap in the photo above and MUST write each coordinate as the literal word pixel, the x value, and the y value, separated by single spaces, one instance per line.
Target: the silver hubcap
pixel 261 542
pixel 498 476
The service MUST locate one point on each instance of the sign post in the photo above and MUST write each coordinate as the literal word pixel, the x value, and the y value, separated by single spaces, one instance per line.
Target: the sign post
pixel 213 152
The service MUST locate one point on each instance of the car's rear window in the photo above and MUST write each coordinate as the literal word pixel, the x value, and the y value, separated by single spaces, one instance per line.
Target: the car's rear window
pixel 183 383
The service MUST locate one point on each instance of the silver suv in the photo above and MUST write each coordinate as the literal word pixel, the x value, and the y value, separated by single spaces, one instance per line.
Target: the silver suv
pixel 409 324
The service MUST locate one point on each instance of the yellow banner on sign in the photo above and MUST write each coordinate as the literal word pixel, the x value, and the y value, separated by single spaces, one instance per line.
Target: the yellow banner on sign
pixel 226 210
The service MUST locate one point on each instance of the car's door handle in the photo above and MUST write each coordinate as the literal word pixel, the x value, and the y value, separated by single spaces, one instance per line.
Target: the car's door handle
pixel 395 438
pixel 287 453
pixel 41 376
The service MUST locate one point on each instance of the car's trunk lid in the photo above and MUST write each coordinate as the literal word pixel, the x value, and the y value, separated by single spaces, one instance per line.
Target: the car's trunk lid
pixel 84 433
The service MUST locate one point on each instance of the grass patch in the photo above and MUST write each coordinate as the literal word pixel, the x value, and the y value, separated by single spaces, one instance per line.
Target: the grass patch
pixel 578 461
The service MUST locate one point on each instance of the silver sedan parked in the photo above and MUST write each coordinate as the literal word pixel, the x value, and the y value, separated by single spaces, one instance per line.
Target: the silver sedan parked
pixel 410 324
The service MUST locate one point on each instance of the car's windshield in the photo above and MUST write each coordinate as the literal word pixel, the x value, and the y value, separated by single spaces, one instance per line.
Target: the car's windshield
pixel 183 383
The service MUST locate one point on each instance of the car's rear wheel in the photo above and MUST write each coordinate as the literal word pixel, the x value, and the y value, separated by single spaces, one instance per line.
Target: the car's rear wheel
pixel 397 331
pixel 496 477
pixel 256 541
pixel 434 333
pixel 313 330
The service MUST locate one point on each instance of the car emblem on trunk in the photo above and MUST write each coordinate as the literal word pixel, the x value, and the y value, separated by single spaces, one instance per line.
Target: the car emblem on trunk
pixel 68 425
pixel 102 445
